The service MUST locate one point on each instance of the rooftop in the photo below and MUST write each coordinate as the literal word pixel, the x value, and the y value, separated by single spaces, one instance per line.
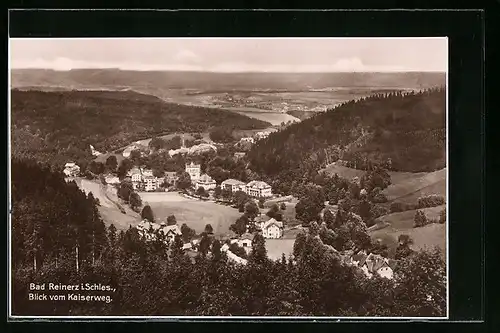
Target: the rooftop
pixel 246 236
pixel 258 184
pixel 270 222
pixel 206 179
pixel 233 182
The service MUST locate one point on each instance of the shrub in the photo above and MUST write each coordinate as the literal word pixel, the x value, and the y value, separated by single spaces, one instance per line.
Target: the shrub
pixel 377 211
pixel 379 198
pixel 420 219
pixel 432 200
pixel 442 216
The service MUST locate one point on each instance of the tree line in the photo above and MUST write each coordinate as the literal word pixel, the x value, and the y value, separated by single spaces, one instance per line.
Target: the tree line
pixel 58 236
pixel 44 126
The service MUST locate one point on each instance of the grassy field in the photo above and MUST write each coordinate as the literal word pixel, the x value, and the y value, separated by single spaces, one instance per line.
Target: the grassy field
pixel 406 186
pixel 108 209
pixel 402 223
pixel 276 247
pixel 343 171
pixel 196 214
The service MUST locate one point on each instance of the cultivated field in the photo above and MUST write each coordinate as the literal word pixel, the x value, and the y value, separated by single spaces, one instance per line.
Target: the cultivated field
pixel 196 214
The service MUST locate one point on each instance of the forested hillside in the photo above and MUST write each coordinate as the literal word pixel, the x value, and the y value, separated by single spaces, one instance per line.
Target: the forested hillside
pixel 58 237
pixel 399 131
pixel 56 126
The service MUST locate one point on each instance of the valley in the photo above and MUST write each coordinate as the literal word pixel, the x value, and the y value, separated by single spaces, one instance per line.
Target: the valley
pixel 261 110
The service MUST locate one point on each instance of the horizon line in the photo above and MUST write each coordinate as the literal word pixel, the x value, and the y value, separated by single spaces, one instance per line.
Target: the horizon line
pixel 227 72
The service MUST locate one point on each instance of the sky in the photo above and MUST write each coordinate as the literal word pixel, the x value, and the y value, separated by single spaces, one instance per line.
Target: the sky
pixel 234 55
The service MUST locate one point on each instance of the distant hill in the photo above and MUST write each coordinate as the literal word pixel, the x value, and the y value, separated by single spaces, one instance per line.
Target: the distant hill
pixel 151 81
pixel 56 126
pixel 405 131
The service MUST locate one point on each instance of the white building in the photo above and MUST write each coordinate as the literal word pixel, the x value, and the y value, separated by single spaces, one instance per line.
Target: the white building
pixel 206 182
pixel 239 155
pixel 247 140
pixel 272 229
pixel 245 241
pixel 170 231
pixel 258 189
pixel 135 174
pixel 194 171
pixel 233 185
pixel 110 179
pixel 71 169
pixel 147 172
pixel 261 135
pixel 150 183
pixel 94 152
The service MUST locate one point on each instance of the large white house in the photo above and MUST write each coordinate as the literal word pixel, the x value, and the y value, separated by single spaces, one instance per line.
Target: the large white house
pixel 272 229
pixel 194 171
pixel 258 189
pixel 71 169
pixel 150 183
pixel 206 182
pixel 233 185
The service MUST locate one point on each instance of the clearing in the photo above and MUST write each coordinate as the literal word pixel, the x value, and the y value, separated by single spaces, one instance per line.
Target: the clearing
pixel 196 214
pixel 109 204
pixel 275 118
pixel 409 188
pixel 402 223
pixel 406 186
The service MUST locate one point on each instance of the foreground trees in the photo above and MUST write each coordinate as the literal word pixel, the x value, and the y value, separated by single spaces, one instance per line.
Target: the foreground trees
pixel 51 219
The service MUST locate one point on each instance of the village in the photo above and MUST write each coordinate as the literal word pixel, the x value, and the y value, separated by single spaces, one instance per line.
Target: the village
pixel 203 187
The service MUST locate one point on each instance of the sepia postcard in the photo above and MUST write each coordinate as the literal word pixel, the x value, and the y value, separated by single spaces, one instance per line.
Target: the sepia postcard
pixel 228 177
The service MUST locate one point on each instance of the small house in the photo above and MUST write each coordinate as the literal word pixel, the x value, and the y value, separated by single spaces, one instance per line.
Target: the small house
pixel 71 169
pixel 272 229
pixel 245 241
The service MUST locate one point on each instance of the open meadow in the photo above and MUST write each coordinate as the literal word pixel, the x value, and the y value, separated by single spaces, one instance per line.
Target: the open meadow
pixel 109 205
pixel 409 187
pixel 402 223
pixel 196 214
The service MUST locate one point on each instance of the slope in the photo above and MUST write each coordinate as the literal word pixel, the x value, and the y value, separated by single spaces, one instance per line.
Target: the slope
pixel 62 125
pixel 404 130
